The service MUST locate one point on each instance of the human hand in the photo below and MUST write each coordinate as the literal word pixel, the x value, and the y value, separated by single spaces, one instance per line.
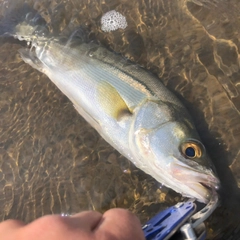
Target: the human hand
pixel 115 224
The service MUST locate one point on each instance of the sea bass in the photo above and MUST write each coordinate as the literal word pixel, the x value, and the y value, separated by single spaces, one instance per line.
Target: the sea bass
pixel 128 106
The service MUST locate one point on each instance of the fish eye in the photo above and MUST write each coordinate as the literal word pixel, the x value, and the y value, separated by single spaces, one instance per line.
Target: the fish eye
pixel 192 149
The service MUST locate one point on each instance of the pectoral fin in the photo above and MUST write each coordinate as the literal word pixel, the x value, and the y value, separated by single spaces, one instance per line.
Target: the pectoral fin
pixel 112 102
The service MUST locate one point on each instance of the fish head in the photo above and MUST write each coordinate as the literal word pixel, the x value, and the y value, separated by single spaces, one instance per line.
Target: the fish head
pixel 173 154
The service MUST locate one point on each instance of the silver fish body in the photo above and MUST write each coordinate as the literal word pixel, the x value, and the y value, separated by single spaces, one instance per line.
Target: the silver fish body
pixel 130 108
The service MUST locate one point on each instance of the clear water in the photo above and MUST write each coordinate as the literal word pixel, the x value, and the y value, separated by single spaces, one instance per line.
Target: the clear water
pixel 52 161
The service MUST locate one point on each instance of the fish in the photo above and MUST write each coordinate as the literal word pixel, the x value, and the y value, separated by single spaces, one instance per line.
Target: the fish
pixel 127 105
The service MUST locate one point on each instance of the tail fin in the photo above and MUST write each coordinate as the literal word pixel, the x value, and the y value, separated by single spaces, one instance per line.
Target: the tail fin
pixel 23 23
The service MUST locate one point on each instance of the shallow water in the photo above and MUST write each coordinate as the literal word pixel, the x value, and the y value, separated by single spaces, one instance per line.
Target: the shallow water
pixel 52 161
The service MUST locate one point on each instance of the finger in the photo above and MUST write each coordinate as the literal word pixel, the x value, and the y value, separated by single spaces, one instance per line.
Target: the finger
pixel 8 227
pixel 119 224
pixel 56 227
pixel 86 220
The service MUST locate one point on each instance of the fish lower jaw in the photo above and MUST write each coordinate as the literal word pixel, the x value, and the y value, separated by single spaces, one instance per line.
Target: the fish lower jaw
pixel 190 189
pixel 200 191
pixel 205 188
pixel 200 184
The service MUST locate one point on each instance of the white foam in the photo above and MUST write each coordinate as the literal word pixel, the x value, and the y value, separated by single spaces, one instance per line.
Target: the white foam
pixel 112 21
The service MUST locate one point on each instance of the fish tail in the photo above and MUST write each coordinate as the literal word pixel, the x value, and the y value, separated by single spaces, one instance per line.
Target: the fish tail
pixel 24 23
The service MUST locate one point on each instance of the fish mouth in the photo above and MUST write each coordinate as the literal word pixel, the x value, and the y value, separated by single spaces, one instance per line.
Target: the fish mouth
pixel 199 182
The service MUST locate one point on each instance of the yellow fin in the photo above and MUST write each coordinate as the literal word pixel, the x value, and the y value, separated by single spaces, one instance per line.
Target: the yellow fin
pixel 111 101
